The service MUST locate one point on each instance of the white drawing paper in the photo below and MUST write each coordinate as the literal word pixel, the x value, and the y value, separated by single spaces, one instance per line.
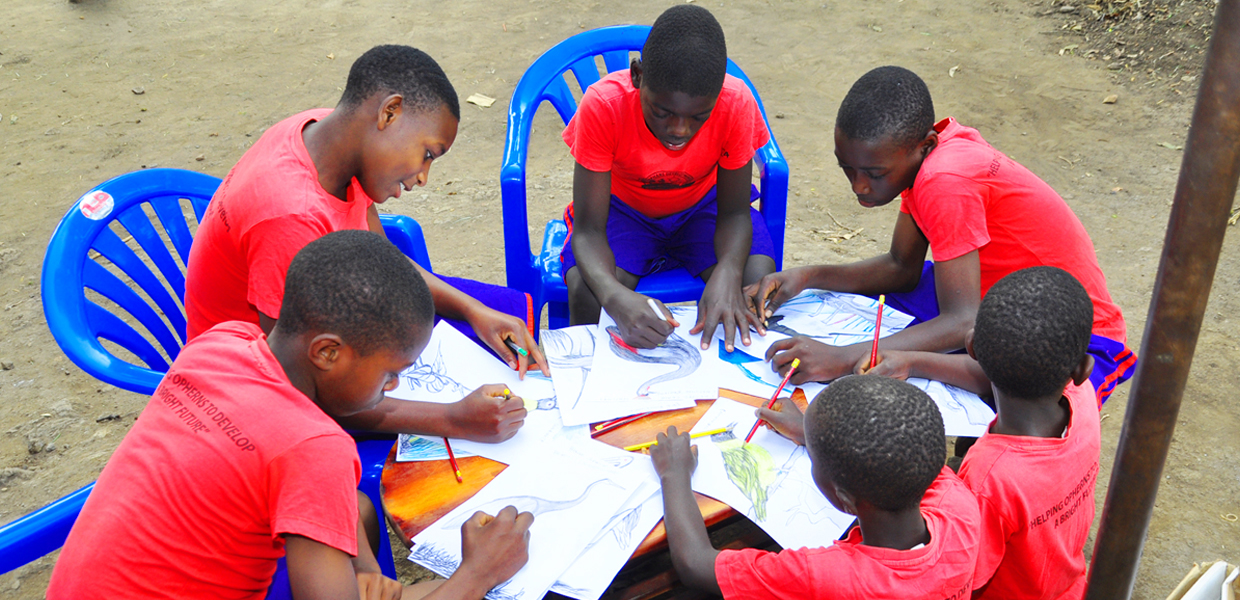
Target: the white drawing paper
pixel 590 575
pixel 413 448
pixel 964 413
pixel 572 498
pixel 768 480
pixel 622 382
pixel 452 366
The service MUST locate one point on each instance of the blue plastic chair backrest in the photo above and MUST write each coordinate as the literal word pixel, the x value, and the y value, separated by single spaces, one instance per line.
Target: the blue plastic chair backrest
pixel 129 230
pixel 544 81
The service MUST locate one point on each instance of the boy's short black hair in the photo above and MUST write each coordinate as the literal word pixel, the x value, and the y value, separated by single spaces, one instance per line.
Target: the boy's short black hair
pixel 1032 331
pixel 881 439
pixel 887 103
pixel 685 53
pixel 402 70
pixel 357 285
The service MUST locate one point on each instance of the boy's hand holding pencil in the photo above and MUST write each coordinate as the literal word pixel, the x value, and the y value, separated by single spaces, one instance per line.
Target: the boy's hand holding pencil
pixel 489 414
pixel 786 419
pixel 673 456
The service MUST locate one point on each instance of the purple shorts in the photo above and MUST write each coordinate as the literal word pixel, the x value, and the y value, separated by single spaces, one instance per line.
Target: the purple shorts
pixel 644 246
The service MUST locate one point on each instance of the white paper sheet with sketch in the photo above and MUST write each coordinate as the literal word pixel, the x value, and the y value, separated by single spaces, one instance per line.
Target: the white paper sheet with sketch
pixel 572 498
pixel 622 382
pixel 452 366
pixel 590 575
pixel 542 431
pixel 964 413
pixel 768 480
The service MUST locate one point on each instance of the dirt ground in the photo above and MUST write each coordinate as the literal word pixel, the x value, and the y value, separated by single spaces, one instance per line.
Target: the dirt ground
pixel 92 90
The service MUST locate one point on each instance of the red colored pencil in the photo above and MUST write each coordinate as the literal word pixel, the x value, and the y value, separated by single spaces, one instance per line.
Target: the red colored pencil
pixel 616 424
pixel 878 326
pixel 452 460
pixel 796 362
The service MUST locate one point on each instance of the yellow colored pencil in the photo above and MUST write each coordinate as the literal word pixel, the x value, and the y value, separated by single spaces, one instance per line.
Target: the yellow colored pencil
pixel 692 437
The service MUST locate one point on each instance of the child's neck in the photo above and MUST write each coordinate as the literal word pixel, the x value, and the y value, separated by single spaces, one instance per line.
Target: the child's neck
pixel 288 353
pixel 332 146
pixel 898 530
pixel 1045 417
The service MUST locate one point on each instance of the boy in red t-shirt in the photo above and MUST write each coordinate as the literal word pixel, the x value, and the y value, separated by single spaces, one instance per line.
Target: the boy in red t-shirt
pixel 1035 468
pixel 877 449
pixel 324 170
pixel 237 460
pixel 982 214
pixel 664 155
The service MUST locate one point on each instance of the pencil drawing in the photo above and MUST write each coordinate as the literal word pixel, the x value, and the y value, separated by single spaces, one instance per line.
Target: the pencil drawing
pixel 749 467
pixel 524 503
pixel 675 351
pixel 562 352
pixel 432 376
pixel 436 559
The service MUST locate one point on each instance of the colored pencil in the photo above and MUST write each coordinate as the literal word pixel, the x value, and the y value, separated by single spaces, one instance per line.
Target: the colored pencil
pixel 655 307
pixel 636 447
pixel 796 362
pixel 615 424
pixel 452 460
pixel 878 327
pixel 515 348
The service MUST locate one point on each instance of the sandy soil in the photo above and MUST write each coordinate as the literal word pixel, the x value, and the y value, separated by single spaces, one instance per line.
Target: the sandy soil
pixel 213 75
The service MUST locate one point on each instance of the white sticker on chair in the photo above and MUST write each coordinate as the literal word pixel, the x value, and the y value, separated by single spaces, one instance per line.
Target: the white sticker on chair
pixel 96 205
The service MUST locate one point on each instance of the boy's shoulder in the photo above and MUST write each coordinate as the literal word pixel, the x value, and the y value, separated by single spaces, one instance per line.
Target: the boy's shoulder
pixel 1003 462
pixel 276 176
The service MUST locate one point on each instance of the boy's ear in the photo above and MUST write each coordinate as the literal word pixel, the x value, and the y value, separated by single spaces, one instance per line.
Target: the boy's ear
pixel 325 351
pixel 928 143
pixel 968 344
pixel 389 110
pixel 848 504
pixel 1083 370
pixel 635 72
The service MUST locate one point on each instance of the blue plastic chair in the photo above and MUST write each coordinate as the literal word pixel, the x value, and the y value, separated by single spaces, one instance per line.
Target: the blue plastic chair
pixel 80 324
pixel 539 274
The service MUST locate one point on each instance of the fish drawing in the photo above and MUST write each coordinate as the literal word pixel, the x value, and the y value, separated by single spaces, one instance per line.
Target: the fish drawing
pixel 675 351
pixel 531 504
pixel 750 468
pixel 562 353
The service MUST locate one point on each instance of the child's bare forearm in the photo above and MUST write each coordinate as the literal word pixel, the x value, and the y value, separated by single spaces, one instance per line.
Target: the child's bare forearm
pixel 402 416
pixel 956 369
pixel 597 264
pixel 687 539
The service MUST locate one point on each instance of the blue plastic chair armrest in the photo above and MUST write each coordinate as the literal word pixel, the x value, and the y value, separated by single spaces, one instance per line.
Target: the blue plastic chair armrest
pixel 39 533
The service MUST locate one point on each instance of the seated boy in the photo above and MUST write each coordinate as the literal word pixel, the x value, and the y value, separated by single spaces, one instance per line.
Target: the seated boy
pixel 1034 470
pixel 877 449
pixel 323 170
pixel 982 214
pixel 237 460
pixel 664 155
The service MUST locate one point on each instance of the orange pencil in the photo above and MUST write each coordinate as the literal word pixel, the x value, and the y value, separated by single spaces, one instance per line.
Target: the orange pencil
pixel 878 326
pixel 796 362
pixel 452 459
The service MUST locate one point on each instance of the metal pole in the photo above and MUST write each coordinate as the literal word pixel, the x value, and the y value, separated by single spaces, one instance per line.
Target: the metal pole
pixel 1203 198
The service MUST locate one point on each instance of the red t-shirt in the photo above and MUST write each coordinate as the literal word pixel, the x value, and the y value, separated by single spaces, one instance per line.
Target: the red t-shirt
pixel 969 196
pixel 1037 503
pixel 269 207
pixel 226 459
pixel 608 133
pixel 939 570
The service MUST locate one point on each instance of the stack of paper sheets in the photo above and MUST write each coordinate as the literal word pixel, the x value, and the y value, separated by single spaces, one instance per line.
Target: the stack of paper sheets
pixel 594 504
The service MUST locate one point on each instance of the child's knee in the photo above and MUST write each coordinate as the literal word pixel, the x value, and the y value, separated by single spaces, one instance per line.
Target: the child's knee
pixel 756 267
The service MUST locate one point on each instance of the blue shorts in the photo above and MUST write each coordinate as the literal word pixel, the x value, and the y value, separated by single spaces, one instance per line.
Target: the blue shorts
pixel 1114 363
pixel 644 246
